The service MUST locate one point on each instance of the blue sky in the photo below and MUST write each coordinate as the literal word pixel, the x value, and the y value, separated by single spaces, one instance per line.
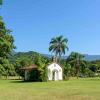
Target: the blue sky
pixel 35 22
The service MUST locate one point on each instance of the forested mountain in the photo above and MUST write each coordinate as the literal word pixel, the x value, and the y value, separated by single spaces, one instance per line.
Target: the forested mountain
pixel 30 53
pixel 88 57
pixel 92 57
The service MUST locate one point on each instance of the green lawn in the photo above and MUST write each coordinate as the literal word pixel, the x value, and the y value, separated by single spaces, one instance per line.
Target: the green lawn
pixel 81 89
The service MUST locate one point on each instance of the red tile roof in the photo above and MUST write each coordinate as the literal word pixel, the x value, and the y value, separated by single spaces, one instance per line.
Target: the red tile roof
pixel 30 67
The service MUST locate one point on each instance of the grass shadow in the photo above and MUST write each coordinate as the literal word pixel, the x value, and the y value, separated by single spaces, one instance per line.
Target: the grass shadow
pixel 22 81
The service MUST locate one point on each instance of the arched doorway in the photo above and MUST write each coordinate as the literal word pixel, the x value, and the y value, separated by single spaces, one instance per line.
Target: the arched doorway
pixel 55 75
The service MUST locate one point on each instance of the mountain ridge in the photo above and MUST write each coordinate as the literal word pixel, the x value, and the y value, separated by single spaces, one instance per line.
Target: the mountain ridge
pixel 86 56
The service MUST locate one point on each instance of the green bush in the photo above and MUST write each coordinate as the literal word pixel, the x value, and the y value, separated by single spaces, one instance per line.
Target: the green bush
pixel 89 73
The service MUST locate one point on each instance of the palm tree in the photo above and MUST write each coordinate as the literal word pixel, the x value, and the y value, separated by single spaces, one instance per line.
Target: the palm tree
pixel 76 60
pixel 58 46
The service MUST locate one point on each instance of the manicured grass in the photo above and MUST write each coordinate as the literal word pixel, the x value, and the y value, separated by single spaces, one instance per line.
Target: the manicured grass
pixel 81 89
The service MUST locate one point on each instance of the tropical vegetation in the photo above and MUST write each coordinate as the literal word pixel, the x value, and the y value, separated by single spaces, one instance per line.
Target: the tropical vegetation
pixel 58 46
pixel 71 68
pixel 6 47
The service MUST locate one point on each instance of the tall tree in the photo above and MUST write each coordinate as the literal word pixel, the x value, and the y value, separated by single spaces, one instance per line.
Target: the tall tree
pixel 6 41
pixel 58 46
pixel 77 61
pixel 6 47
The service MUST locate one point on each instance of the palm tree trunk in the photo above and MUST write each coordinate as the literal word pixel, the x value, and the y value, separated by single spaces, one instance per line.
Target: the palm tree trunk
pixel 78 66
pixel 77 73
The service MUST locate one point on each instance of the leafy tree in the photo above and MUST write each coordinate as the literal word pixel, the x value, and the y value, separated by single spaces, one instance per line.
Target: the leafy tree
pixel 95 65
pixel 42 63
pixel 58 45
pixel 77 61
pixel 6 46
pixel 67 71
pixel 20 63
pixel 6 41
pixel 2 70
pixel 6 68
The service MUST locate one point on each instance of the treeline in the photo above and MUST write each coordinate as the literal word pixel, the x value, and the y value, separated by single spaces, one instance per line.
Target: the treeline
pixel 74 66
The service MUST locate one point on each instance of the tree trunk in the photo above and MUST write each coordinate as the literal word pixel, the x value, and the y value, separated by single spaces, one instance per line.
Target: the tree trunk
pixel 77 71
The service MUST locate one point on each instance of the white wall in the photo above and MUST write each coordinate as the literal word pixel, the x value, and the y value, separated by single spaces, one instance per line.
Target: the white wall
pixel 57 70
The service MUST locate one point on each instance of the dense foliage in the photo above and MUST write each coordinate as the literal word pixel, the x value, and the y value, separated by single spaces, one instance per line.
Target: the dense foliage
pixel 6 47
pixel 26 59
pixel 74 65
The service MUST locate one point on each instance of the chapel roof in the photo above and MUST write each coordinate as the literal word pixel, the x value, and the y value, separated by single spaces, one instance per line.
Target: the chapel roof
pixel 33 66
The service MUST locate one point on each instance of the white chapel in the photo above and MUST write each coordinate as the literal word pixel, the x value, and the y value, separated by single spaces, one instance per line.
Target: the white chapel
pixel 54 72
